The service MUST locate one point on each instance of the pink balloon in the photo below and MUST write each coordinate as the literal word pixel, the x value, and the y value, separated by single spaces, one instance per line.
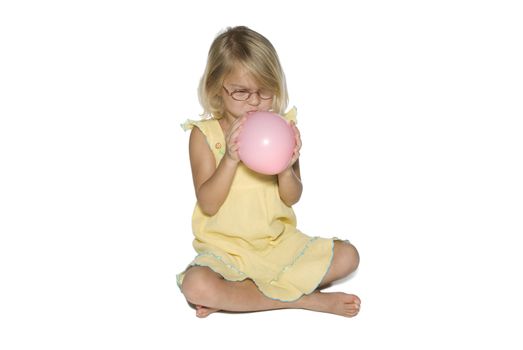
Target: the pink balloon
pixel 266 143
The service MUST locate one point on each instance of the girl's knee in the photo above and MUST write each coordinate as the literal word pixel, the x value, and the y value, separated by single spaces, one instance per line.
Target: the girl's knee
pixel 198 285
pixel 348 256
pixel 355 256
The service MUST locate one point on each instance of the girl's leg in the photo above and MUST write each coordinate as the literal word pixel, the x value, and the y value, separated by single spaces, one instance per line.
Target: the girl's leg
pixel 344 262
pixel 209 292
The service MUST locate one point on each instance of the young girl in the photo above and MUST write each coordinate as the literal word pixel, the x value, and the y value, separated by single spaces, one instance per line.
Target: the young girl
pixel 251 256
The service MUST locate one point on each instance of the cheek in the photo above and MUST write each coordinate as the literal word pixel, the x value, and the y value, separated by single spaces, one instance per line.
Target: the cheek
pixel 265 105
pixel 229 105
pixel 234 109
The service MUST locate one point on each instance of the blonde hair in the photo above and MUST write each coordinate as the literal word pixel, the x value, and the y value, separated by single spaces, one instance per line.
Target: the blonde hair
pixel 241 46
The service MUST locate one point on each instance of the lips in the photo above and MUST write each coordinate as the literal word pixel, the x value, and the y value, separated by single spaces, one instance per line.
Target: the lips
pixel 250 112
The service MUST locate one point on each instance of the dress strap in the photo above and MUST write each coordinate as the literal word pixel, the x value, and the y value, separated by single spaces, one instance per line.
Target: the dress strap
pixel 291 115
pixel 212 131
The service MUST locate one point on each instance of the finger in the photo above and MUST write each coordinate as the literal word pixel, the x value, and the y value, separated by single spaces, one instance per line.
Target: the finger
pixel 233 136
pixel 298 143
pixel 297 135
pixel 234 131
pixel 234 147
pixel 295 128
pixel 294 158
pixel 297 147
pixel 238 122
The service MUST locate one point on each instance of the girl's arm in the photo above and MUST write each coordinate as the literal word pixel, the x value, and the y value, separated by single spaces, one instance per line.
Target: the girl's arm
pixel 289 181
pixel 289 184
pixel 211 182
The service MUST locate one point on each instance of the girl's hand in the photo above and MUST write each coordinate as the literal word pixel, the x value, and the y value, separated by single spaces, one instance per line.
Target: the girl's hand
pixel 289 180
pixel 231 139
pixel 296 153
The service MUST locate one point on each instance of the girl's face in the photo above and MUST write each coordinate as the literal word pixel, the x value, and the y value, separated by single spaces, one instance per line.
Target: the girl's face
pixel 241 95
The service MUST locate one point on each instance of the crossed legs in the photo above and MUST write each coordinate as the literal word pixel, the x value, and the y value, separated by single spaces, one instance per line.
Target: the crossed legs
pixel 209 292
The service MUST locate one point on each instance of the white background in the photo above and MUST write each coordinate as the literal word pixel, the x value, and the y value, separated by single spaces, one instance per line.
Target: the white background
pixel 410 114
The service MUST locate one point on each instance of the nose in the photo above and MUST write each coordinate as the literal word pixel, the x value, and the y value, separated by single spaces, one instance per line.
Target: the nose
pixel 254 99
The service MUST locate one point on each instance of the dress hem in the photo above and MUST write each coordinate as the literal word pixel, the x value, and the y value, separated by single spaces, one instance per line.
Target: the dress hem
pixel 179 277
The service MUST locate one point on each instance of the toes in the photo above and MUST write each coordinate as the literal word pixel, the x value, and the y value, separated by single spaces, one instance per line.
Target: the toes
pixel 352 308
pixel 201 311
pixel 351 311
pixel 355 299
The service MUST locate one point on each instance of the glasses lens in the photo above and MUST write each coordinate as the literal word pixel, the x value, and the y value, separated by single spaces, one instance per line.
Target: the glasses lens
pixel 265 94
pixel 240 95
pixel 244 95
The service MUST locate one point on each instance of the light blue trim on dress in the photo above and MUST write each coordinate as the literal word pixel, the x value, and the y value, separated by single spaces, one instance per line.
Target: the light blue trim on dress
pixel 245 276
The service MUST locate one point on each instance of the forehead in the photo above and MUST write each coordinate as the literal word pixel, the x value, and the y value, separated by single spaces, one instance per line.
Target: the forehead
pixel 241 77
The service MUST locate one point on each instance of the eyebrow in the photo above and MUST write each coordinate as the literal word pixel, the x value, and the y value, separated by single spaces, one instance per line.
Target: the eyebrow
pixel 237 86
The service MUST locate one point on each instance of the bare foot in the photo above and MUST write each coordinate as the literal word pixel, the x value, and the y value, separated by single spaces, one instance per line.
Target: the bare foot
pixel 202 311
pixel 343 304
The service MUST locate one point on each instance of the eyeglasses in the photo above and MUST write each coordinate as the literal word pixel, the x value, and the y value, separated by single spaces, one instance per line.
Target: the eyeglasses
pixel 244 95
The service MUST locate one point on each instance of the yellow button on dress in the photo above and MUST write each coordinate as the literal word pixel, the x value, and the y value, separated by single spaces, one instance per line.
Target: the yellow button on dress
pixel 254 234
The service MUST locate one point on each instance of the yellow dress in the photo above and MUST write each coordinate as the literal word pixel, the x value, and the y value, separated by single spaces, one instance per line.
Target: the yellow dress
pixel 254 234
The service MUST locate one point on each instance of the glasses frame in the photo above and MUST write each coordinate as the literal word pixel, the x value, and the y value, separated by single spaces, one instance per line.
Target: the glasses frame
pixel 250 93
